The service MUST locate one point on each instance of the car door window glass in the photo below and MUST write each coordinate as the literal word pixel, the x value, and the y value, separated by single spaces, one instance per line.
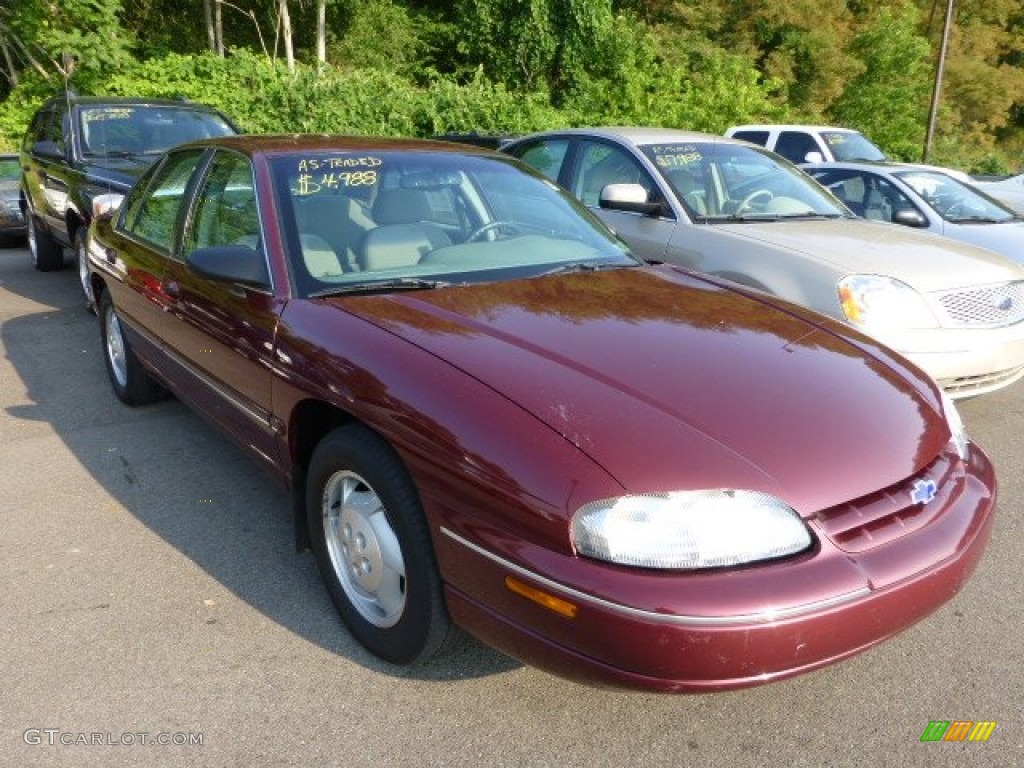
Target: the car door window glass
pixel 794 146
pixel 152 216
pixel 546 156
pixel 754 137
pixel 603 164
pixel 226 211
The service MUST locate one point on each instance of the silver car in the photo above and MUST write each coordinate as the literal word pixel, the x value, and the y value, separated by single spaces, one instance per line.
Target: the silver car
pixel 733 210
pixel 1009 191
pixel 928 200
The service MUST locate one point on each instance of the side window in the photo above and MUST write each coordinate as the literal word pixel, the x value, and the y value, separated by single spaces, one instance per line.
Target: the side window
pixel 46 127
pixel 546 156
pixel 153 215
pixel 794 146
pixel 226 212
pixel 754 137
pixel 848 186
pixel 603 164
pixel 883 199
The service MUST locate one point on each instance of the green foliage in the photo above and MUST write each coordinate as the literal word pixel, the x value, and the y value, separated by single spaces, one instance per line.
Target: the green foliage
pixel 418 67
pixel 381 35
pixel 888 101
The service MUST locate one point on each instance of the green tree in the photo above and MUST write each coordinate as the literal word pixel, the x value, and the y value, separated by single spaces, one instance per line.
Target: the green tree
pixel 888 100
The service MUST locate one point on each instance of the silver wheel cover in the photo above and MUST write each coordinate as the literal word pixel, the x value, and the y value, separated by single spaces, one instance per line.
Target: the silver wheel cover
pixel 115 346
pixel 83 272
pixel 364 550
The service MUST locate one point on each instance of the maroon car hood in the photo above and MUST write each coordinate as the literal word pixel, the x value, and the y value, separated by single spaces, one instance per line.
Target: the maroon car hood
pixel 670 382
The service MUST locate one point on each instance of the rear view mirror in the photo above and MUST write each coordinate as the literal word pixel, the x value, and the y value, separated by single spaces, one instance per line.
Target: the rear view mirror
pixel 230 264
pixel 48 149
pixel 106 205
pixel 908 217
pixel 628 197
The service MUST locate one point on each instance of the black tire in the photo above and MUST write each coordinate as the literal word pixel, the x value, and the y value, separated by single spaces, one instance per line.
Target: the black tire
pixel 47 254
pixel 130 381
pixel 82 257
pixel 374 552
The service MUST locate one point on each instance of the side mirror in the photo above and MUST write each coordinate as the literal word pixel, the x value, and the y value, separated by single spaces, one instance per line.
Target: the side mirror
pixel 48 149
pixel 230 264
pixel 628 197
pixel 106 204
pixel 814 157
pixel 908 217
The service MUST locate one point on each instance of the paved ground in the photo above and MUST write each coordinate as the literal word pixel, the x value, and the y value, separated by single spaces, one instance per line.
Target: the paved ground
pixel 150 586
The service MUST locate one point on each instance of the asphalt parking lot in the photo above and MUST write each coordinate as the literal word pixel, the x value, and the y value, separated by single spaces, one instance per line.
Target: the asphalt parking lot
pixel 155 613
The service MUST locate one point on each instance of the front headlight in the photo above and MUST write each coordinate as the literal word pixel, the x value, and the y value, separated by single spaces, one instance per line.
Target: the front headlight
pixel 957 432
pixel 689 529
pixel 879 303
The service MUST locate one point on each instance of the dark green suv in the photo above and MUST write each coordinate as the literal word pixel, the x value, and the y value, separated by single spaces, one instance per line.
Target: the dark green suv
pixel 79 147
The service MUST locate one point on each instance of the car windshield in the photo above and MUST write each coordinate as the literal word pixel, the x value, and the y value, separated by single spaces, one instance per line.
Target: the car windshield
pixel 110 131
pixel 719 181
pixel 850 146
pixel 355 221
pixel 954 201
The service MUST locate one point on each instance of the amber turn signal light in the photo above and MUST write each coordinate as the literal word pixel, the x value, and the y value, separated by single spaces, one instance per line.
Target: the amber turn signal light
pixel 552 603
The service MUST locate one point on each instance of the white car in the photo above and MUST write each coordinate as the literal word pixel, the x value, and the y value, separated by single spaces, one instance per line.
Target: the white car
pixel 820 144
pixel 733 210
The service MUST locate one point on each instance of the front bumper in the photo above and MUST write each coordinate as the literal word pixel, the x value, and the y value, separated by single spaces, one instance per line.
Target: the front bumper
pixel 965 362
pixel 12 220
pixel 718 630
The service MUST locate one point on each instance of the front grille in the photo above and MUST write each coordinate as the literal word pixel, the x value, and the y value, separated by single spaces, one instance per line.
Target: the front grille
pixel 886 515
pixel 990 306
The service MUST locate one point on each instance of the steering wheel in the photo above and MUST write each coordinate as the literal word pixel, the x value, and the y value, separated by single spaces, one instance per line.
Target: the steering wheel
pixel 757 193
pixel 956 210
pixel 492 226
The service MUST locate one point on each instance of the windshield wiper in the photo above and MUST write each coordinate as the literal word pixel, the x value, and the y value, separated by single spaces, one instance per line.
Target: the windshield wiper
pixel 587 266
pixel 978 220
pixel 115 153
pixel 381 286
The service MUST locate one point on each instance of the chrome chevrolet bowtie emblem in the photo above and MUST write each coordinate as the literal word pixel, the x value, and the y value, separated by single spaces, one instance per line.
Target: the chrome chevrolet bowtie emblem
pixel 923 491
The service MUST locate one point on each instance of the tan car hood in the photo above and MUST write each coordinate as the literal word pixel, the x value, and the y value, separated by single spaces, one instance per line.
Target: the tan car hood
pixel 925 262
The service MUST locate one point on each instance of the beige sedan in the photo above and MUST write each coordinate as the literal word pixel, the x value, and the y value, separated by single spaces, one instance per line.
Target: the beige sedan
pixel 731 209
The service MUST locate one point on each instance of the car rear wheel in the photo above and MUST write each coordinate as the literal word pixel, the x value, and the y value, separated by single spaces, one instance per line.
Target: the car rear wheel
pixel 47 254
pixel 373 548
pixel 130 381
pixel 82 255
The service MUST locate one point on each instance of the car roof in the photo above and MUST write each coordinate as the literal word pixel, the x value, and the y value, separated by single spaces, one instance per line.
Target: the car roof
pixel 868 165
pixel 791 127
pixel 128 100
pixel 298 142
pixel 638 135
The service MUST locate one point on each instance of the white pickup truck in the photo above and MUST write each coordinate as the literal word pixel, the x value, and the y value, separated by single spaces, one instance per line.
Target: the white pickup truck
pixel 819 144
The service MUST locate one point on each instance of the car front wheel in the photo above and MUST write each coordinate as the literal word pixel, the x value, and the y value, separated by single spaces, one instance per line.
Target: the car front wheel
pixel 47 254
pixel 130 381
pixel 373 548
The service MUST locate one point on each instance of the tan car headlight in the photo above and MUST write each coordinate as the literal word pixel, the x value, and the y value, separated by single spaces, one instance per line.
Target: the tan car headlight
pixel 879 303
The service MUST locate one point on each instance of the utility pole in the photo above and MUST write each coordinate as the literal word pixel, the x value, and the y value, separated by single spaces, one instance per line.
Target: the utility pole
pixel 938 82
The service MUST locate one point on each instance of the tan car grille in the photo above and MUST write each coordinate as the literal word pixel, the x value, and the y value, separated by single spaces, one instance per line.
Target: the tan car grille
pixel 991 306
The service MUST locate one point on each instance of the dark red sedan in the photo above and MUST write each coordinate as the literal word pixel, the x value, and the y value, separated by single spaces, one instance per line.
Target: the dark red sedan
pixel 492 415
